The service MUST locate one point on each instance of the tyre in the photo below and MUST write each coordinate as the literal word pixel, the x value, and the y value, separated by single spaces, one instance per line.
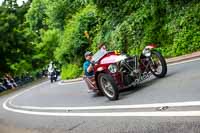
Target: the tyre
pixel 55 79
pixel 108 86
pixel 51 79
pixel 158 66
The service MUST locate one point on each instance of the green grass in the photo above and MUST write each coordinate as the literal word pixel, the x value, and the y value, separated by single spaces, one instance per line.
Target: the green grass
pixel 71 71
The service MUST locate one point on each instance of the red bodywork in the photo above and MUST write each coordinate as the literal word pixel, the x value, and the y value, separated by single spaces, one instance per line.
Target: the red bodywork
pixel 102 67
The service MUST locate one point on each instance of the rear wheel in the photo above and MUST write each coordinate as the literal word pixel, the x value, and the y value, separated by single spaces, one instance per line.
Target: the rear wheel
pixel 158 65
pixel 108 86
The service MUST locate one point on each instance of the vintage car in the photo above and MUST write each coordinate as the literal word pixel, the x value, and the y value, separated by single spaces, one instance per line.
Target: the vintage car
pixel 114 71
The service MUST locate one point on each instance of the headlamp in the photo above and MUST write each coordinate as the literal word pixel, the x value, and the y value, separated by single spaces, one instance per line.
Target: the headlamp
pixel 112 68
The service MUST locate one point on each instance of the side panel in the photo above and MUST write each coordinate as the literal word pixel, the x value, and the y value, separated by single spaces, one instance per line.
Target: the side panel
pixel 118 80
pixel 91 83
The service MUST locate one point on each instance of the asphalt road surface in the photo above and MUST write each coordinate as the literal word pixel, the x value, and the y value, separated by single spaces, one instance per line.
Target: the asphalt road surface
pixel 170 104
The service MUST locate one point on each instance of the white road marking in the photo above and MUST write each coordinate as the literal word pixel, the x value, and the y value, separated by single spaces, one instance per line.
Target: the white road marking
pixel 74 82
pixel 23 109
pixel 111 114
pixel 9 100
pixel 18 94
pixel 137 106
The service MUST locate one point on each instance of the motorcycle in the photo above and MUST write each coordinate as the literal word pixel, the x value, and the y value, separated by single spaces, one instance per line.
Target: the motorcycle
pixel 53 76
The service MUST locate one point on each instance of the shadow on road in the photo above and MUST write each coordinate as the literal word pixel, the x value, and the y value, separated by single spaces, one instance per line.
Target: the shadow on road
pixel 144 84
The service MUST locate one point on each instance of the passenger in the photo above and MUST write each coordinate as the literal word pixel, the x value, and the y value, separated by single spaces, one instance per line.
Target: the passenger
pixel 102 47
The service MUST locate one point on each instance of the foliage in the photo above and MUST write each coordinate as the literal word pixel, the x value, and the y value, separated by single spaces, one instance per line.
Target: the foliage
pixel 71 71
pixel 74 42
pixel 45 14
pixel 184 30
pixel 15 38
pixel 59 11
pixel 21 68
pixel 151 22
pixel 47 30
pixel 48 45
pixel 36 15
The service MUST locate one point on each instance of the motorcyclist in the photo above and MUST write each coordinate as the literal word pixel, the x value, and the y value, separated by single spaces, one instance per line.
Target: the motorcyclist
pixel 52 71
pixel 51 67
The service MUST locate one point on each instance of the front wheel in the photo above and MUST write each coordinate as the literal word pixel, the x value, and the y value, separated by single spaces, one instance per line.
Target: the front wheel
pixel 108 86
pixel 158 65
pixel 51 79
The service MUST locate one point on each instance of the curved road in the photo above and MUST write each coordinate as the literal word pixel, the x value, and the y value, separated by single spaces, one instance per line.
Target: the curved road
pixel 171 104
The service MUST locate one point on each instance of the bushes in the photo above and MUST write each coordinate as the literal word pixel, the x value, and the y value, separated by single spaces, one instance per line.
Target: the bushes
pixel 74 43
pixel 71 71
pixel 22 67
pixel 173 26
pixel 184 30
pixel 126 25
pixel 49 42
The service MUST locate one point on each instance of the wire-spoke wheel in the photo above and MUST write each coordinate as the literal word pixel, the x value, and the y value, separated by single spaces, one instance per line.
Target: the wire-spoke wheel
pixel 108 86
pixel 158 64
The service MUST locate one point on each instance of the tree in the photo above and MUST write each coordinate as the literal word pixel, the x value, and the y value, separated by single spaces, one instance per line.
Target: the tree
pixel 36 15
pixel 15 38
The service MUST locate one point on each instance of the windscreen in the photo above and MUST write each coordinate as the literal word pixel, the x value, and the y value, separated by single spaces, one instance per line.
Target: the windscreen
pixel 98 55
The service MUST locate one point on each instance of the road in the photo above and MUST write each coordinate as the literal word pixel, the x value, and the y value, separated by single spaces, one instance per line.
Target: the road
pixel 170 104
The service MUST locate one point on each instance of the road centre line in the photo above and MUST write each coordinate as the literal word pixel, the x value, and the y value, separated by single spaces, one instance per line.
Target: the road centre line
pixel 110 114
pixel 136 106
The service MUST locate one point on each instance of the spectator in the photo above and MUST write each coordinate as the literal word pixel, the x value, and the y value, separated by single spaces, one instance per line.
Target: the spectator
pixel 2 88
pixel 11 80
pixel 7 83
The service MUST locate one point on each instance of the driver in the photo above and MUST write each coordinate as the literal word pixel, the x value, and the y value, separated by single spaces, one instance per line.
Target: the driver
pixel 87 66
